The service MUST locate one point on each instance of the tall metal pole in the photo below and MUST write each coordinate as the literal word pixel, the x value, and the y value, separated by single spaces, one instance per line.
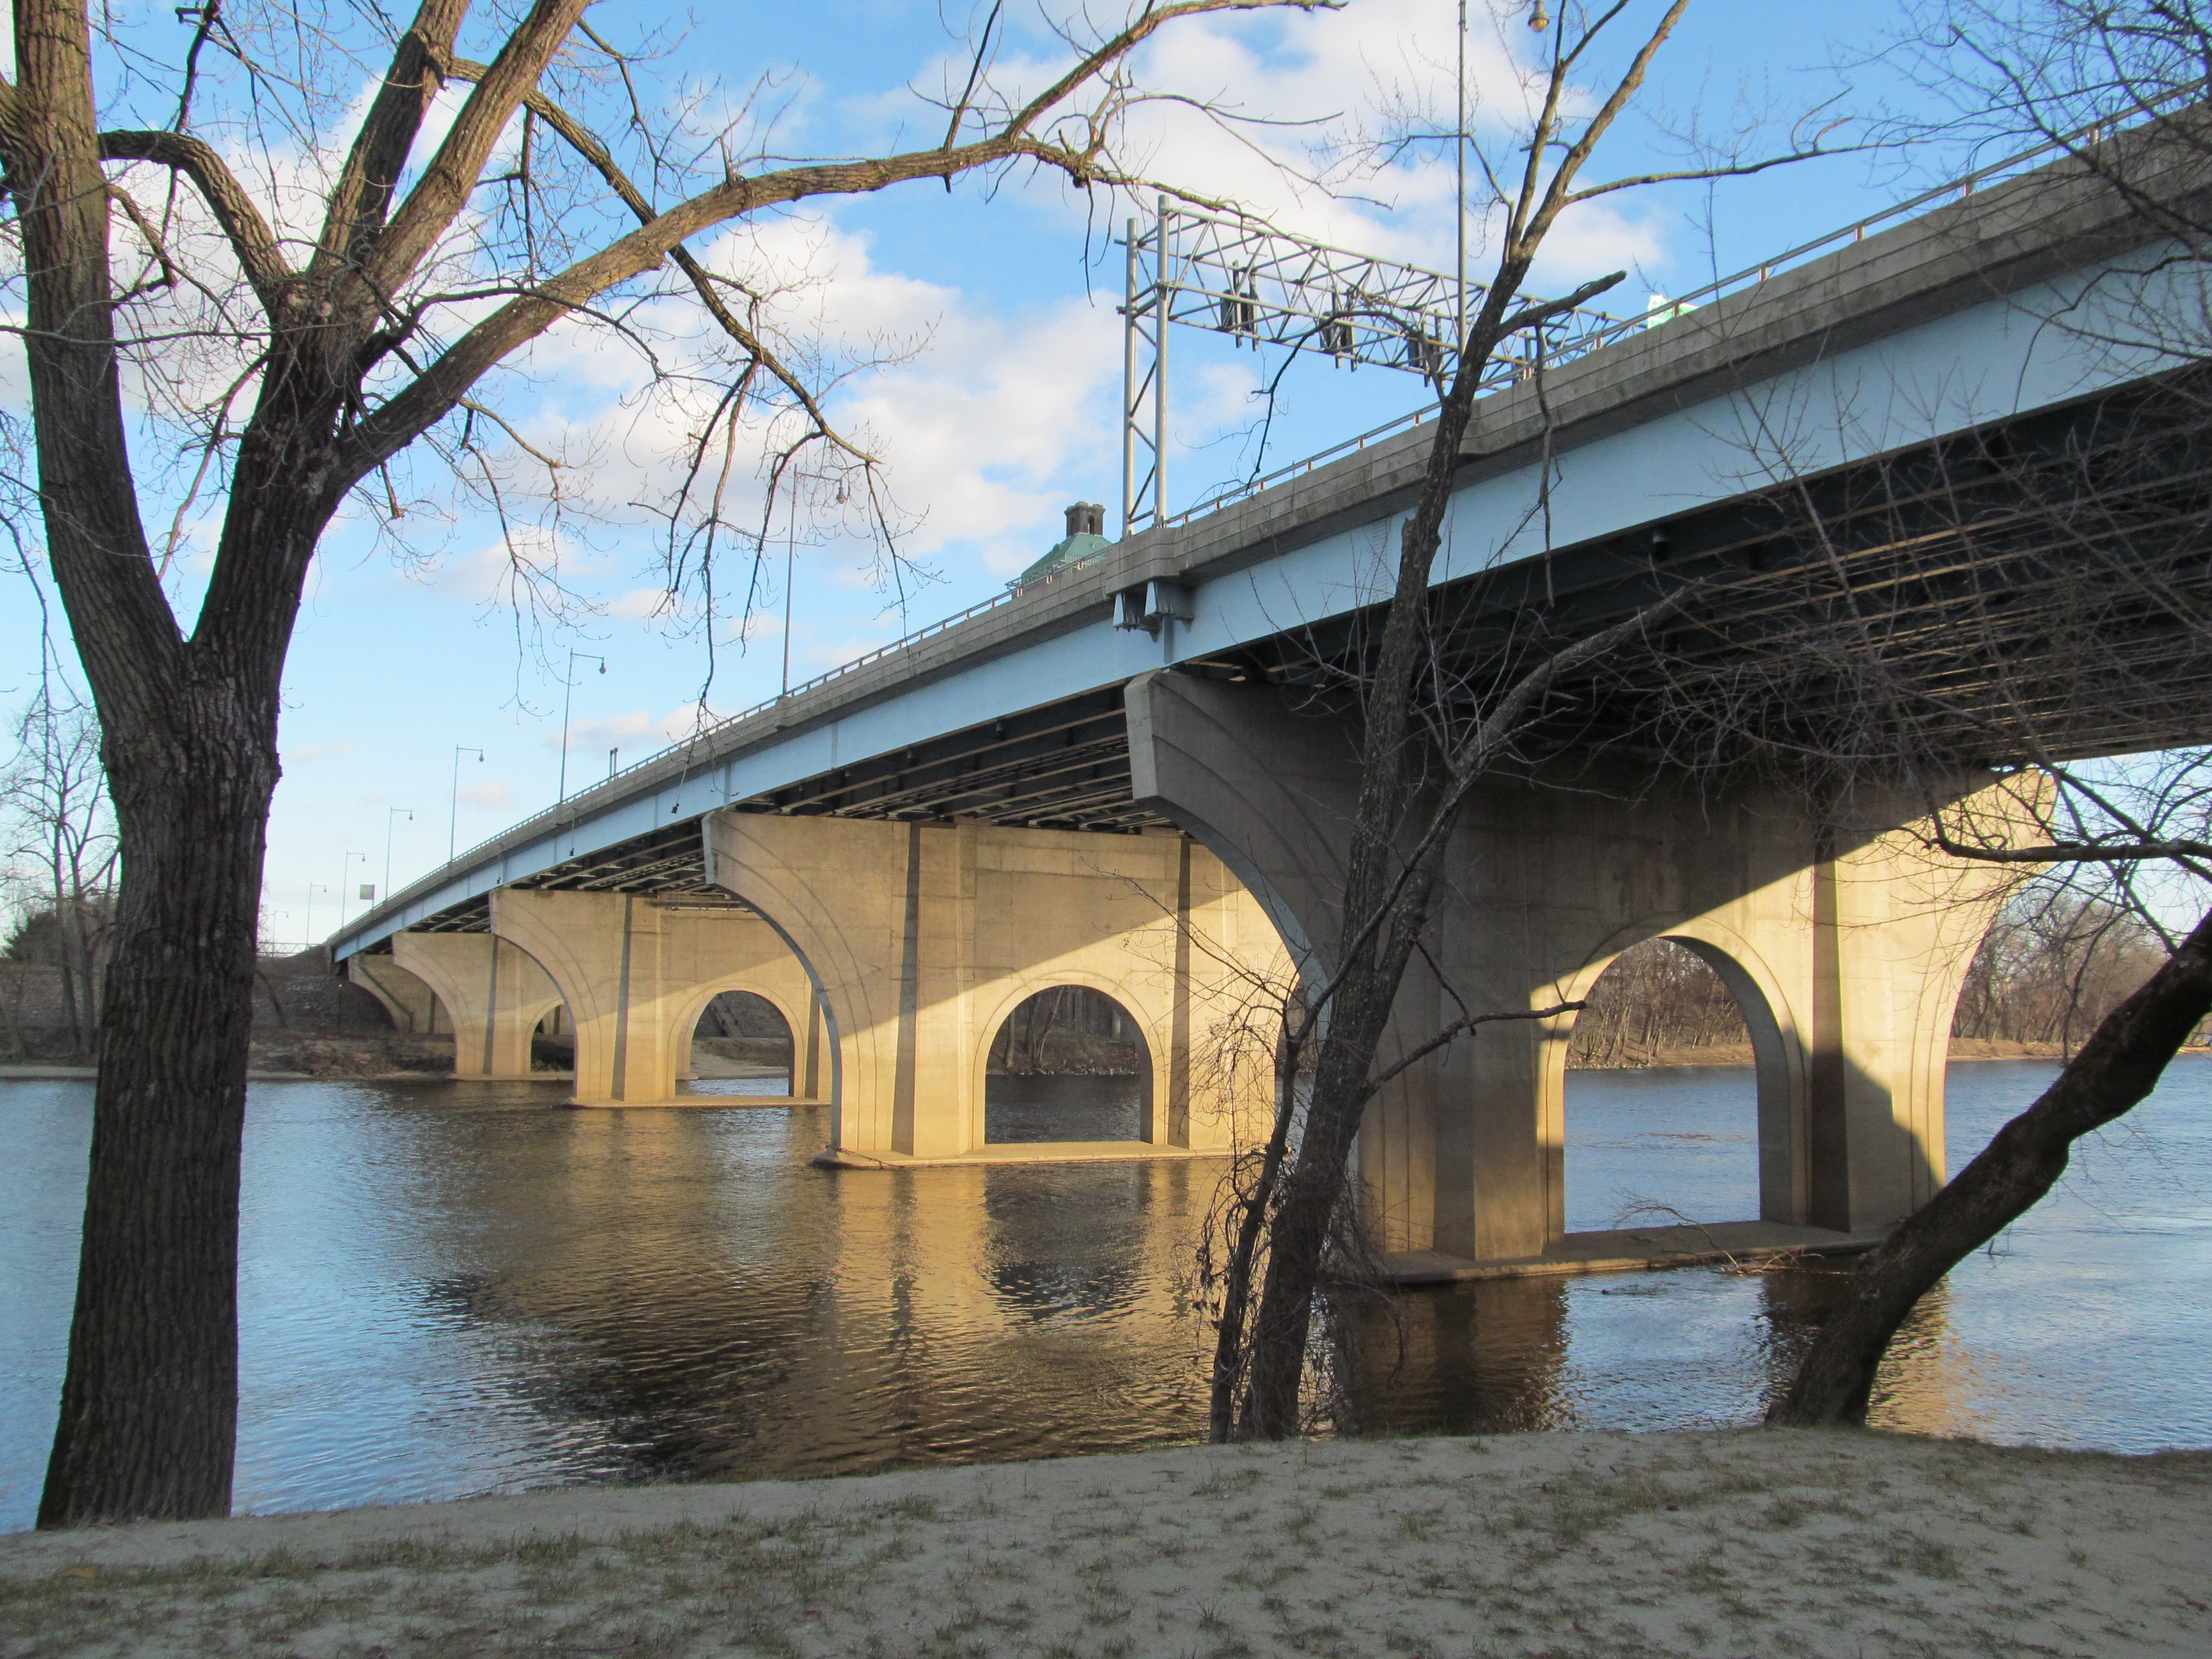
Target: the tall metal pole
pixel 392 817
pixel 345 885
pixel 568 695
pixel 1459 199
pixel 453 819
pixel 1129 382
pixel 790 551
pixel 309 925
pixel 1160 368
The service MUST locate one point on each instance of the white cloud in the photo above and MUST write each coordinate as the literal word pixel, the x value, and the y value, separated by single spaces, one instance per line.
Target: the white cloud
pixel 306 754
pixel 639 731
pixel 494 793
pixel 988 423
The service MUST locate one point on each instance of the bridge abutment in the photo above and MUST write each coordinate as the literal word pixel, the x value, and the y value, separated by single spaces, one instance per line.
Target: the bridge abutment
pixel 636 973
pixel 924 938
pixel 494 994
pixel 1846 953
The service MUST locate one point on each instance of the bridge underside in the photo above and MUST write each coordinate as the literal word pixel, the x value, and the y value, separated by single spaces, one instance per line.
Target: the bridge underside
pixel 2041 588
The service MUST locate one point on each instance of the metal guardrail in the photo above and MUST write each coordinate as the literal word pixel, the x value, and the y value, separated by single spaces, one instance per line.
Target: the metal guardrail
pixel 1589 339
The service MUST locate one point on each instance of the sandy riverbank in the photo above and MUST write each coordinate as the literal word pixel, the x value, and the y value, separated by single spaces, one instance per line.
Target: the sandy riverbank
pixel 1751 1543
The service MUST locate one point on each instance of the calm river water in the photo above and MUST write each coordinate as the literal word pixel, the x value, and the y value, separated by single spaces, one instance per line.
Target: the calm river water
pixel 458 1288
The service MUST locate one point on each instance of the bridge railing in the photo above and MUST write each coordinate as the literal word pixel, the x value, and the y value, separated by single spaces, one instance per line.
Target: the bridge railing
pixel 1585 340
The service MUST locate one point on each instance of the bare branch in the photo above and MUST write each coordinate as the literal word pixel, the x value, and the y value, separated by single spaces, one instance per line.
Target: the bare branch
pixel 248 233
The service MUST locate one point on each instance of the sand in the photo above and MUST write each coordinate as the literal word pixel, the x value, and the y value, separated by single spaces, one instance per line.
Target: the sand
pixel 1754 1542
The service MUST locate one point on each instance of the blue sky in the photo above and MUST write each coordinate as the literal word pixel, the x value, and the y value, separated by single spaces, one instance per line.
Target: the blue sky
pixel 1002 412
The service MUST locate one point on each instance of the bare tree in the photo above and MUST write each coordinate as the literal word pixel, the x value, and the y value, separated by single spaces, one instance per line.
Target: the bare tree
pixel 55 811
pixel 1428 738
pixel 298 293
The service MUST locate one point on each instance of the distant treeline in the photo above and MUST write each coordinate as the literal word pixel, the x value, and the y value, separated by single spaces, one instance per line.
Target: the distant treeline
pixel 2053 965
pixel 1068 1029
pixel 1656 996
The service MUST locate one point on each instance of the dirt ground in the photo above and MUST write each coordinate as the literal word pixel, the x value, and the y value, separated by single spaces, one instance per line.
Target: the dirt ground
pixel 1760 1543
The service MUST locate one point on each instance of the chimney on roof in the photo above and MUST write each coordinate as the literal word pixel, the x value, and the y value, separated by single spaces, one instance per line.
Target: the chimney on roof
pixel 1086 519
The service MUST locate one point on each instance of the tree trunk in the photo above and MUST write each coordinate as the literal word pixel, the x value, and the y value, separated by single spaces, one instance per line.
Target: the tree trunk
pixel 2119 1064
pixel 1314 1184
pixel 149 1404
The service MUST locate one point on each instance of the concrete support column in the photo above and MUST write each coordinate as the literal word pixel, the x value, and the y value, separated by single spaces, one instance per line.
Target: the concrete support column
pixel 923 939
pixel 413 1005
pixel 636 973
pixel 494 994
pixel 1845 949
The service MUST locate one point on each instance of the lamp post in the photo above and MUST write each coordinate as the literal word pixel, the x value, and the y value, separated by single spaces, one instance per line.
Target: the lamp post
pixel 345 880
pixel 790 552
pixel 392 817
pixel 454 822
pixel 310 923
pixel 1459 210
pixel 569 692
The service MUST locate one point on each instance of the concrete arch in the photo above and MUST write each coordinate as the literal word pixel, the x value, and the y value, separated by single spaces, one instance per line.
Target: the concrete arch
pixel 1776 1054
pixel 633 972
pixel 406 998
pixel 799 1018
pixel 1156 1033
pixel 495 991
pixel 922 937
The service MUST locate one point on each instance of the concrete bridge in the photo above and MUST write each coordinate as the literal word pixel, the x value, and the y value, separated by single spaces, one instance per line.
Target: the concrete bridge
pixel 1130 775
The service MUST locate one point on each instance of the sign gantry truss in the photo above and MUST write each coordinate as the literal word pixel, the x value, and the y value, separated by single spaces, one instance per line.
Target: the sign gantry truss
pixel 1262 287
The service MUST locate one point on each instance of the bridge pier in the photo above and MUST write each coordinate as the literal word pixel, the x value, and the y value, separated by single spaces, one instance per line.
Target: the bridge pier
pixel 924 938
pixel 1846 957
pixel 636 973
pixel 494 995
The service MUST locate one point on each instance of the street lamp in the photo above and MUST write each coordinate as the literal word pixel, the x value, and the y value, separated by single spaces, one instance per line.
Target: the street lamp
pixel 392 817
pixel 345 878
pixel 568 683
pixel 453 824
pixel 790 552
pixel 310 923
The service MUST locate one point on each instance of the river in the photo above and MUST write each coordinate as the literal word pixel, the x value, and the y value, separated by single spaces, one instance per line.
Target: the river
pixel 452 1288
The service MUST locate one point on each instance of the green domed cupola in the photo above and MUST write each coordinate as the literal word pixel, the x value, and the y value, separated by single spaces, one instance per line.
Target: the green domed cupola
pixel 1086 526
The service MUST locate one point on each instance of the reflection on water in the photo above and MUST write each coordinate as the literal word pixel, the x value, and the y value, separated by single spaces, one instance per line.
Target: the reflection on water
pixel 1032 1108
pixel 454 1288
pixel 2085 1324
